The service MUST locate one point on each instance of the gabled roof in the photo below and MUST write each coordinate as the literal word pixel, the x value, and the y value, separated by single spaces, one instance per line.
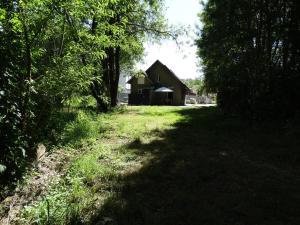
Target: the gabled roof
pixel 157 62
pixel 146 76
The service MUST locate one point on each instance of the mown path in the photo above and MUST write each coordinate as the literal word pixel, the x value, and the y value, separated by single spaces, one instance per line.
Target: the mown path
pixel 179 166
pixel 210 169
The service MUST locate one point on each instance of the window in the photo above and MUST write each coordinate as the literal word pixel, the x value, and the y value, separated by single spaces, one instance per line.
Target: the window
pixel 140 91
pixel 141 80
pixel 158 77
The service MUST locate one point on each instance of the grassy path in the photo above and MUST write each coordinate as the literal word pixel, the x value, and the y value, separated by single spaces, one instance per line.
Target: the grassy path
pixel 172 165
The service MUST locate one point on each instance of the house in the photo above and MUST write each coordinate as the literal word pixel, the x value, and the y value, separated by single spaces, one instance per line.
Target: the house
pixel 157 86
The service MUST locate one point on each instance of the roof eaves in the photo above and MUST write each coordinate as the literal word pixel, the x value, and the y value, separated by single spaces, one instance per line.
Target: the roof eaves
pixel 159 62
pixel 183 84
pixel 146 76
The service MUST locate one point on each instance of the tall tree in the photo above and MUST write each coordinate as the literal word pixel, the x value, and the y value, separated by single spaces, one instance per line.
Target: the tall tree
pixel 250 56
pixel 52 50
pixel 21 23
pixel 129 23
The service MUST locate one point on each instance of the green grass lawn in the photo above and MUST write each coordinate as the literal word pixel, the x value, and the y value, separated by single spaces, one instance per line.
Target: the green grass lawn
pixel 174 166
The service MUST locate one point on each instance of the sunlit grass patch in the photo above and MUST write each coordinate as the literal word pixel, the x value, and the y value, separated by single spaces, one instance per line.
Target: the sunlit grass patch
pixel 63 202
pixel 146 163
pixel 84 127
pixel 103 159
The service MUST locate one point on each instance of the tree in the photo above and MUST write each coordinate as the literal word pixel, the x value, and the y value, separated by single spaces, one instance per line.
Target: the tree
pixel 250 56
pixel 21 23
pixel 197 85
pixel 129 23
pixel 39 69
pixel 53 50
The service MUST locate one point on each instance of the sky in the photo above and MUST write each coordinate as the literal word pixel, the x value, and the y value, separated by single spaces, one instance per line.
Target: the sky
pixel 181 58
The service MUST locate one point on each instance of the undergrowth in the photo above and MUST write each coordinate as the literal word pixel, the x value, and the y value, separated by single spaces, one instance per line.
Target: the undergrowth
pixel 102 159
pixel 83 128
pixel 173 165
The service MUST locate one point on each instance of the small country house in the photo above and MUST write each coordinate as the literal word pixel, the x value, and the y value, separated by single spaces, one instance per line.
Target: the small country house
pixel 158 86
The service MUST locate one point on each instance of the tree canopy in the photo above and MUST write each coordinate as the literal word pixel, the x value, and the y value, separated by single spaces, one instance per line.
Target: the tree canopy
pixel 53 50
pixel 250 52
pixel 196 85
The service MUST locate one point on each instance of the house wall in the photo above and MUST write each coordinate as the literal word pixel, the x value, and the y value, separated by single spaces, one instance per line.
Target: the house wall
pixel 167 80
pixel 135 97
pixel 135 87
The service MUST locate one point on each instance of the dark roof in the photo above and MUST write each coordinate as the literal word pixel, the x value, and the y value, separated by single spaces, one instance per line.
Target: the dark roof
pixel 146 76
pixel 171 72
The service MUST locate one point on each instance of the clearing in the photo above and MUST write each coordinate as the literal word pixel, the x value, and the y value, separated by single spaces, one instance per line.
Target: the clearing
pixel 173 166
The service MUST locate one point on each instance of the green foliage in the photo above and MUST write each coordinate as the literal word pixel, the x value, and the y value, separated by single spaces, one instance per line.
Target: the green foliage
pixel 13 140
pixel 54 51
pixel 197 85
pixel 95 173
pixel 60 206
pixel 250 53
pixel 82 128
pixel 122 177
pixel 2 168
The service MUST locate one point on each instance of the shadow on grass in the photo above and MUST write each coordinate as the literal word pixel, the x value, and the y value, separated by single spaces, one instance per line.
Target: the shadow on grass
pixel 212 170
pixel 55 125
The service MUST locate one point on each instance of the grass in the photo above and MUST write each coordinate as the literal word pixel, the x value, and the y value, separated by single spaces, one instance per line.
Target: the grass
pixel 174 165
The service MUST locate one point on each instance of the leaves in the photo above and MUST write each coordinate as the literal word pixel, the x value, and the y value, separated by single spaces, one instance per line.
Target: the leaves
pixel 2 168
pixel 249 54
pixel 52 51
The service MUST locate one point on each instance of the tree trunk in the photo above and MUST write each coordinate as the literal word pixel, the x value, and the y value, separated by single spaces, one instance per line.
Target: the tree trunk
pixel 98 89
pixel 115 84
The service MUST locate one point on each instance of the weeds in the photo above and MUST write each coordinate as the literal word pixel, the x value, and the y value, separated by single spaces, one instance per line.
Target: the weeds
pixel 143 165
pixel 83 128
pixel 96 173
pixel 60 204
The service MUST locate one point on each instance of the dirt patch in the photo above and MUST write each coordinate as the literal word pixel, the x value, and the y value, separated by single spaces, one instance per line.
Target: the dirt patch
pixel 46 172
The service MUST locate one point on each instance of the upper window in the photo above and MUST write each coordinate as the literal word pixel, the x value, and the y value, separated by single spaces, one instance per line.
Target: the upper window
pixel 158 78
pixel 141 80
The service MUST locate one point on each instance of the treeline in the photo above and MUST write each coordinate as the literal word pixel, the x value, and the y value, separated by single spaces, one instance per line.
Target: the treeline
pixel 52 50
pixel 196 85
pixel 250 51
